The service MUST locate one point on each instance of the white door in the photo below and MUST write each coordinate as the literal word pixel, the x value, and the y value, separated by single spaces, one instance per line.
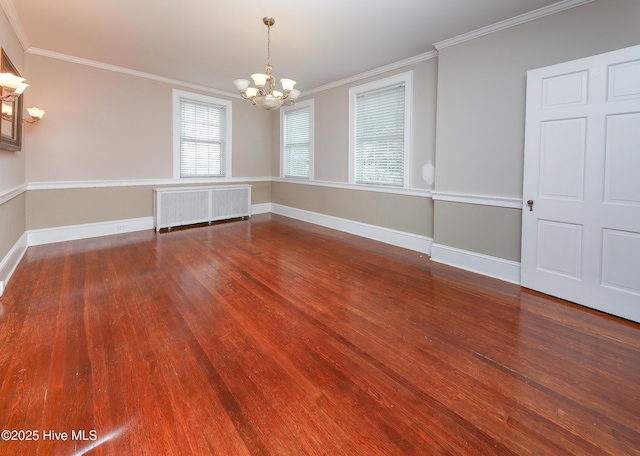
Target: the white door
pixel 581 232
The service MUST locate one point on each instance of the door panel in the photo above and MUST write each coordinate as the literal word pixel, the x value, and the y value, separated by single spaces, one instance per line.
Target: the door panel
pixel 624 81
pixel 621 275
pixel 581 235
pixel 562 155
pixel 565 90
pixel 622 182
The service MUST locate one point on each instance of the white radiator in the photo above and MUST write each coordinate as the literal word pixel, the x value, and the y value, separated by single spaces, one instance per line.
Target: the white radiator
pixel 178 206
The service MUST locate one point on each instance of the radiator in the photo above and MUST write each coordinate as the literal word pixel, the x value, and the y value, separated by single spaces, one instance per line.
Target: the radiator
pixel 179 206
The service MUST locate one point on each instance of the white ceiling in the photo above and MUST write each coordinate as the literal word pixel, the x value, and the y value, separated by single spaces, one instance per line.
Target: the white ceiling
pixel 213 42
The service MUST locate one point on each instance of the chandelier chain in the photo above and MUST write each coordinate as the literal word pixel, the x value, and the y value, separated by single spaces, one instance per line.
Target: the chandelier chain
pixel 268 45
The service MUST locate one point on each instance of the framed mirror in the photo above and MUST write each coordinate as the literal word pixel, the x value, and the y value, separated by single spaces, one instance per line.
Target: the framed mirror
pixel 11 123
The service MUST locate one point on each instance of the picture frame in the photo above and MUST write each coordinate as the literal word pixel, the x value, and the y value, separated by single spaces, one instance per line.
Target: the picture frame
pixel 11 121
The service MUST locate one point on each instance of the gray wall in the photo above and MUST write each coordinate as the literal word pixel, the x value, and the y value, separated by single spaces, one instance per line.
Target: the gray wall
pixel 103 125
pixel 481 113
pixel 12 164
pixel 108 126
pixel 331 160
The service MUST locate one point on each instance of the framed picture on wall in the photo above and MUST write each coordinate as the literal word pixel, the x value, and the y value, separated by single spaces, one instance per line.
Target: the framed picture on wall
pixel 11 123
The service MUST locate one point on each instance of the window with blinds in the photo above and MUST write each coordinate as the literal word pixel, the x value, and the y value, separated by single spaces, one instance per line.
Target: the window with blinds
pixel 297 141
pixel 202 136
pixel 380 131
pixel 202 139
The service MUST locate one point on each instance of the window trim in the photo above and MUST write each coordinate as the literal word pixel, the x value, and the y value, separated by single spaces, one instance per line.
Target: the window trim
pixel 178 95
pixel 283 110
pixel 405 78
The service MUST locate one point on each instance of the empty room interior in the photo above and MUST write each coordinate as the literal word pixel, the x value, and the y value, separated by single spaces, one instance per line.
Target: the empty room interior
pixel 426 241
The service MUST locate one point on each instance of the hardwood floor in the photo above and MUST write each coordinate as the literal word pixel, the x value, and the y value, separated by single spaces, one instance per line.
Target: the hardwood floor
pixel 275 337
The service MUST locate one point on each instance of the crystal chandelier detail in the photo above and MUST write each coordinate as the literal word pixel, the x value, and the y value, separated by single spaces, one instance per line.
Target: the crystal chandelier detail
pixel 268 98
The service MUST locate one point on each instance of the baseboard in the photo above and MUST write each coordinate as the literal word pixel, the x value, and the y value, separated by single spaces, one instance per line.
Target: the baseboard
pixel 499 268
pixel 88 230
pixel 10 261
pixel 403 239
pixel 262 208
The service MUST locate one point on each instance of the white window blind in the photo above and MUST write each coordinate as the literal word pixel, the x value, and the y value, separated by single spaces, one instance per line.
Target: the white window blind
pixel 379 137
pixel 202 139
pixel 297 143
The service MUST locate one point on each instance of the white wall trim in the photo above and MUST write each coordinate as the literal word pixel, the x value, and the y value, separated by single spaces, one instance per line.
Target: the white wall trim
pixel 160 182
pixel 260 208
pixel 127 71
pixel 16 24
pixel 403 239
pixel 537 14
pixel 10 262
pixel 483 200
pixel 499 268
pixel 376 71
pixel 88 230
pixel 140 182
pixel 426 193
pixel 11 193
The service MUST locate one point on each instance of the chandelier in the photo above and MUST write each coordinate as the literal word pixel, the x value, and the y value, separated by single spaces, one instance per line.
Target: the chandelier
pixel 268 99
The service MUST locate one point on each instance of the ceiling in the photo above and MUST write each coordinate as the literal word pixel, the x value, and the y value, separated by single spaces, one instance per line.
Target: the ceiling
pixel 213 42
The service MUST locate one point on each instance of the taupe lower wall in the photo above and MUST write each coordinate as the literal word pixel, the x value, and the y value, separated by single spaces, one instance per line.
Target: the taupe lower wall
pixel 478 229
pixel 411 214
pixel 77 206
pixel 12 223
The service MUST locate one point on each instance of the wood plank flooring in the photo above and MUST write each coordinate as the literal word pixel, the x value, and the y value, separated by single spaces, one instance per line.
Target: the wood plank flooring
pixel 274 337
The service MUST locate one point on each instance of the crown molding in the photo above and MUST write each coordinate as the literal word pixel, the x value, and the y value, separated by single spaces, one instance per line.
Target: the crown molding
pixel 376 71
pixel 527 17
pixel 7 6
pixel 16 24
pixel 127 71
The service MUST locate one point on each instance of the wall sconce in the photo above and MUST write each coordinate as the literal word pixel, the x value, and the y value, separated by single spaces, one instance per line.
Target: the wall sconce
pixel 12 86
pixel 35 114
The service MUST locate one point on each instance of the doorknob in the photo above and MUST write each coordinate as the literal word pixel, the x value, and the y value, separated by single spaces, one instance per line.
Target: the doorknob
pixel 530 204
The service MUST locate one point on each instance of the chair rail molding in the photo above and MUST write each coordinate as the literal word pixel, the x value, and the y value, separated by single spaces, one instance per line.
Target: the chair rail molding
pixel 483 200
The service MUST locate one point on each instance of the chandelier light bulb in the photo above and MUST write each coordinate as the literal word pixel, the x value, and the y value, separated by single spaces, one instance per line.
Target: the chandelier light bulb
pixel 241 84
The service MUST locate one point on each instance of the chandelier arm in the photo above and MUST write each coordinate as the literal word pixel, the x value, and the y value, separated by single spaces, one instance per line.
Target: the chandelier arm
pixel 10 97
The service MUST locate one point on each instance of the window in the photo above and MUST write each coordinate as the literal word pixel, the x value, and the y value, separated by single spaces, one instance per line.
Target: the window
pixel 296 155
pixel 202 136
pixel 380 132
